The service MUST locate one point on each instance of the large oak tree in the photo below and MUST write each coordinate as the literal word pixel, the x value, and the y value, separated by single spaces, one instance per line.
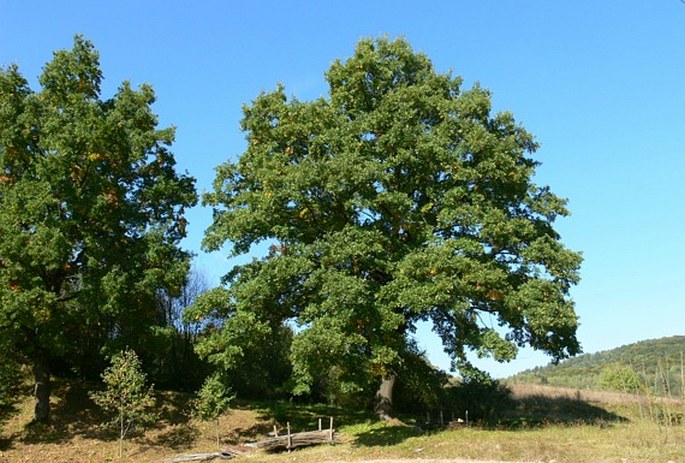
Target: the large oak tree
pixel 91 212
pixel 399 198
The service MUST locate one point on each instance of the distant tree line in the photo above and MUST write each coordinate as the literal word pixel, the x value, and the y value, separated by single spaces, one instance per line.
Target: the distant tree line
pixel 655 366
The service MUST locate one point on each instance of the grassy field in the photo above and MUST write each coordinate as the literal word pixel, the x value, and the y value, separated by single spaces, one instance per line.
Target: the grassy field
pixel 543 424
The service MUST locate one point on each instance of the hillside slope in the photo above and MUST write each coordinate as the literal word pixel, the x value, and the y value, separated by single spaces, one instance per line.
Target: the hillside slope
pixel 659 363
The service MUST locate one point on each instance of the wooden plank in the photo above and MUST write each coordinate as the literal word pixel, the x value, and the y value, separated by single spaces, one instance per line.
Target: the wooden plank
pixel 300 439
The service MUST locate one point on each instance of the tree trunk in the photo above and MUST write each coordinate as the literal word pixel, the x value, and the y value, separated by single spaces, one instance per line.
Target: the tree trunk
pixel 218 434
pixel 41 392
pixel 122 432
pixel 384 397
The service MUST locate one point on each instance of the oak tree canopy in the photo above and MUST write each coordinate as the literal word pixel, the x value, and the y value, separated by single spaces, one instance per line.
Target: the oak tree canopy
pixel 399 197
pixel 91 212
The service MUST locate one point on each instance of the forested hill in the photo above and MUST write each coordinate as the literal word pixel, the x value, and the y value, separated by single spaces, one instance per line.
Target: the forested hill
pixel 654 365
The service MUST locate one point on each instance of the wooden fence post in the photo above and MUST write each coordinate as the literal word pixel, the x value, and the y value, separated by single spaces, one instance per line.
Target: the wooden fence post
pixel 290 438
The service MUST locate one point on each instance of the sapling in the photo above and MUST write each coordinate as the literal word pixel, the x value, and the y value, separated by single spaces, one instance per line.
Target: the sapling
pixel 213 399
pixel 126 395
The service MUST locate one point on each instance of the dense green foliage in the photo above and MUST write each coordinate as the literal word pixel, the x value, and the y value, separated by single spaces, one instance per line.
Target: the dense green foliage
pixel 253 355
pixel 620 378
pixel 422 387
pixel 401 197
pixel 91 214
pixel 126 396
pixel 657 363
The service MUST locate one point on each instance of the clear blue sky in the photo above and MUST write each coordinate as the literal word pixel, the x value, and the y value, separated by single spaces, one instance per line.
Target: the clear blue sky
pixel 600 83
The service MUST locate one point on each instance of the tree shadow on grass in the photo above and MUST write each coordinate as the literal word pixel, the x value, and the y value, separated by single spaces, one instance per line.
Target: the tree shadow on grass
pixel 7 410
pixel 306 417
pixel 5 444
pixel 387 436
pixel 493 405
pixel 539 410
pixel 251 432
pixel 177 437
pixel 508 413
pixel 74 414
pixel 71 414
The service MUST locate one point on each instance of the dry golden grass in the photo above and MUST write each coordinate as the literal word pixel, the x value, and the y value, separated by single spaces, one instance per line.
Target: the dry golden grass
pixel 603 397
pixel 526 390
pixel 605 428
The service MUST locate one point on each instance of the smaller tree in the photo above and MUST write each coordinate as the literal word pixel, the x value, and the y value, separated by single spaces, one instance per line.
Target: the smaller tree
pixel 126 395
pixel 213 399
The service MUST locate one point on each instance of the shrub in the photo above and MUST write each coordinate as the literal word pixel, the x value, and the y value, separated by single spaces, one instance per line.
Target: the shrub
pixel 622 378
